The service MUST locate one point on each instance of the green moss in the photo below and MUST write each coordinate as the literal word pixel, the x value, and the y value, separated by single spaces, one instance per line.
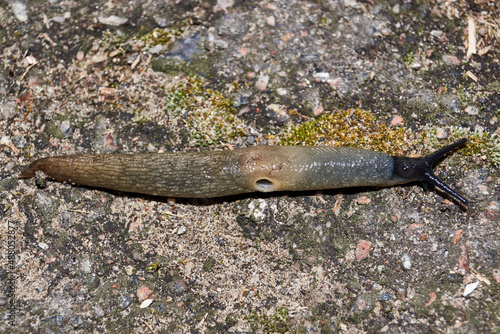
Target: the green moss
pixel 160 36
pixel 208 115
pixel 277 323
pixel 409 57
pixel 199 65
pixel 494 86
pixel 359 128
pixel 209 263
pixel 111 41
pixel 351 127
pixel 479 143
pixel 139 117
pixel 153 267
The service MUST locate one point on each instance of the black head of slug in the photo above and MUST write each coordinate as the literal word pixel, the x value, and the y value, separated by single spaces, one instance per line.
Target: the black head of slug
pixel 420 169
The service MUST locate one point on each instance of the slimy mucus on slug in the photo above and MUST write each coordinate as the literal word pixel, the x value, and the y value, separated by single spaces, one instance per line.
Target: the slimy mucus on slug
pixel 244 170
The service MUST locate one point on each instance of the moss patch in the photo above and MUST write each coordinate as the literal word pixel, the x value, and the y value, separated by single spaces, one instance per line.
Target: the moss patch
pixel 276 323
pixel 208 115
pixel 351 127
pixel 359 128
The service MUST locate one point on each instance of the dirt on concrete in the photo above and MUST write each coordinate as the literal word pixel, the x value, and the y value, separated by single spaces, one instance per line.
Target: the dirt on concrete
pixel 160 76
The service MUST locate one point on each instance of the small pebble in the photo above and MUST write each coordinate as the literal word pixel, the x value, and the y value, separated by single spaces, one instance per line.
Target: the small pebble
pixel 385 296
pixel 496 275
pixel 61 18
pixel 143 293
pixel 86 266
pixel 451 60
pixel 363 249
pixel 281 91
pixel 471 110
pixel 8 110
pixel 146 303
pixel 19 10
pixel 30 60
pixel 156 49
pixel 77 321
pixel 80 55
pixel 181 230
pixel 363 200
pixel 493 206
pixel 179 286
pixel 401 294
pixel 441 133
pixel 5 141
pixel 261 84
pixel 112 20
pixel 124 301
pixel 406 261
pixel 321 76
pixel 66 128
pixel 129 270
pixel 397 120
pixel 9 166
pixel 386 306
pixel 437 33
pixel 98 312
pixel 469 288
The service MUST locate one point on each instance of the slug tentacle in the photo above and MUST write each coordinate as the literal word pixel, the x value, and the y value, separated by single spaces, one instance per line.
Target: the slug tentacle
pixel 420 169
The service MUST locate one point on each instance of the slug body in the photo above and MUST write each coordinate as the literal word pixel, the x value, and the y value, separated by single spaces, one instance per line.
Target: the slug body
pixel 224 173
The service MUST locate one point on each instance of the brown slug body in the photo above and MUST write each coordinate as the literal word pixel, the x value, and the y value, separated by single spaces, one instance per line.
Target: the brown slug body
pixel 259 168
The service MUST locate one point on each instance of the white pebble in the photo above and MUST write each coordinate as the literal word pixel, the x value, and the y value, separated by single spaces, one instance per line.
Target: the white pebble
pixel 19 10
pixel 112 20
pixel 181 230
pixel 261 84
pixel 86 266
pixel 441 133
pixel 80 55
pixel 406 261
pixel 471 110
pixel 5 141
pixel 281 91
pixel 469 288
pixel 321 76
pixel 146 303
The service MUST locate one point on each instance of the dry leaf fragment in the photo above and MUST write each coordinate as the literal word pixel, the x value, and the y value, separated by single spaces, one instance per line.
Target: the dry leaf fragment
pixel 471 49
pixel 471 75
pixel 481 277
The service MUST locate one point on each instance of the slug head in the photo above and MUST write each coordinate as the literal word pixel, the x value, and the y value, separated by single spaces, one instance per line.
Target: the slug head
pixel 420 169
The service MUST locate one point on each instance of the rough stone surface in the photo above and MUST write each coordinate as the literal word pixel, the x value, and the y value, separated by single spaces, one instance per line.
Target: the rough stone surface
pixel 79 77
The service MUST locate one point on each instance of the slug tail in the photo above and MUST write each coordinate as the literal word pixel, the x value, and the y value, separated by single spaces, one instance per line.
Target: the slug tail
pixel 421 169
pixel 30 171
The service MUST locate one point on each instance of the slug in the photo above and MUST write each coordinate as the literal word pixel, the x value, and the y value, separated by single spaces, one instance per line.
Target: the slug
pixel 244 170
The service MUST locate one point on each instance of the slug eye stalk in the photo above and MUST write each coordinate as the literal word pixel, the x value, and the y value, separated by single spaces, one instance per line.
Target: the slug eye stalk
pixel 420 169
